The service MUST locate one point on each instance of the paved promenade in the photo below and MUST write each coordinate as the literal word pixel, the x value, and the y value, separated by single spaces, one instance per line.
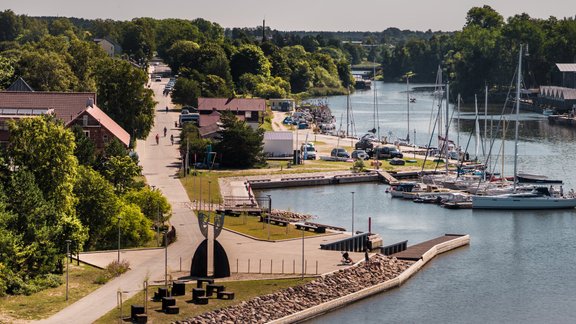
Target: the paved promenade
pixel 160 165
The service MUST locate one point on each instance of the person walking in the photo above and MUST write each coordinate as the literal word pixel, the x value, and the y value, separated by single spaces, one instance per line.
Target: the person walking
pixel 172 138
pixel 165 131
pixel 157 139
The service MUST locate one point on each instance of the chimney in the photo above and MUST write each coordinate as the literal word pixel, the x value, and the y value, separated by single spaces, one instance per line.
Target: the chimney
pixel 90 103
pixel 263 30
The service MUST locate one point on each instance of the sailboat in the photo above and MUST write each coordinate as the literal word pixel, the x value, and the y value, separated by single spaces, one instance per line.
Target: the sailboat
pixel 539 197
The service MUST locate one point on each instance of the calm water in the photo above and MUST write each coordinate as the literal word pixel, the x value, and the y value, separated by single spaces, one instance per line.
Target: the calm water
pixel 519 267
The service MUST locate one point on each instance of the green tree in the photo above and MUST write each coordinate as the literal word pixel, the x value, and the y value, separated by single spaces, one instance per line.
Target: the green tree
pixel 122 95
pixel 45 147
pixel 120 171
pixel 240 145
pixel 85 150
pixel 186 92
pixel 10 25
pixel 135 228
pixel 180 53
pixel 46 71
pixel 6 71
pixel 97 206
pixel 151 202
pixel 249 59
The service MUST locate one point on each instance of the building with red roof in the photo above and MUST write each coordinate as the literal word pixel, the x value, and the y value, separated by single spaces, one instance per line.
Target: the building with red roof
pixel 251 110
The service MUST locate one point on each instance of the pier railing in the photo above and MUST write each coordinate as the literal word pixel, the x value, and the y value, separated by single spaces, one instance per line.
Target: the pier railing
pixel 278 267
pixel 357 243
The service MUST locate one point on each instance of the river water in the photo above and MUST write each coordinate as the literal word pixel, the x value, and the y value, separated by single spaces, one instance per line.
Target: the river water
pixel 519 267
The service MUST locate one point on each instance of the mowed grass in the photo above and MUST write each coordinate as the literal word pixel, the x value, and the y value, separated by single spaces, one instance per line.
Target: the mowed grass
pixel 243 290
pixel 48 302
pixel 250 225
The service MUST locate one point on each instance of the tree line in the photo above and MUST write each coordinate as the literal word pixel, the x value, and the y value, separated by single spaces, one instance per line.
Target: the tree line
pixel 54 187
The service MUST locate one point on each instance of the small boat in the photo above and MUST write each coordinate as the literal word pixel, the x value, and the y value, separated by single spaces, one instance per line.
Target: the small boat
pixel 534 178
pixel 539 198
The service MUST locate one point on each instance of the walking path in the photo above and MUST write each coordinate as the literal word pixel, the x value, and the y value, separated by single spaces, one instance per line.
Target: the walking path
pixel 160 164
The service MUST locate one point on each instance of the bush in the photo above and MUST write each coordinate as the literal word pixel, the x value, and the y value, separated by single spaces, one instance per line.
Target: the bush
pixel 113 269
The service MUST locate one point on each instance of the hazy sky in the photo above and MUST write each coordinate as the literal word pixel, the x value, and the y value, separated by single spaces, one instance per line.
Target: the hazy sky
pixel 311 15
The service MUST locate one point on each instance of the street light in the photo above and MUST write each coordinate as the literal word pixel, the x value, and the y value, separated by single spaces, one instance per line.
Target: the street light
pixel 119 218
pixel 165 260
pixel 67 271
pixel 269 213
pixel 209 197
pixel 302 254
pixel 352 221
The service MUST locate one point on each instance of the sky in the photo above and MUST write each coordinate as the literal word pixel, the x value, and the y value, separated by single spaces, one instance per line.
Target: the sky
pixel 291 15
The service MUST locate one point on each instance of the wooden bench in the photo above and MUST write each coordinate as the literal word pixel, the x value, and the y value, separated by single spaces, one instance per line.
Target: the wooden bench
pixel 336 228
pixel 228 295
pixel 199 282
pixel 314 228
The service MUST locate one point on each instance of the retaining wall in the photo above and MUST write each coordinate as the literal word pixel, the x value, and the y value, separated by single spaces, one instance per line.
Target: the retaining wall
pixel 343 301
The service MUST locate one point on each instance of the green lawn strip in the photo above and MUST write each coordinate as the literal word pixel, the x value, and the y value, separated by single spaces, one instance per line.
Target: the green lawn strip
pixel 243 290
pixel 48 302
pixel 250 225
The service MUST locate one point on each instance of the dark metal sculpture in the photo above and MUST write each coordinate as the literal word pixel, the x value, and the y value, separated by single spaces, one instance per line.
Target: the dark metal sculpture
pixel 199 266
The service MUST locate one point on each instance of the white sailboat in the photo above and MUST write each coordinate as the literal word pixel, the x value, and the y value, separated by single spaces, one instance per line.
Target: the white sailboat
pixel 539 198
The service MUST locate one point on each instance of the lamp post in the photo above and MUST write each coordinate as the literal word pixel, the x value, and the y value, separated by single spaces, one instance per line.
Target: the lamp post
pixel 302 254
pixel 119 218
pixel 165 260
pixel 209 197
pixel 67 262
pixel 352 221
pixel 269 213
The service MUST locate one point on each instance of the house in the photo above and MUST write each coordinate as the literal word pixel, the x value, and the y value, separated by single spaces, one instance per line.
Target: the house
pixel 278 144
pixel 110 47
pixel 250 110
pixel 285 105
pixel 99 127
pixel 66 106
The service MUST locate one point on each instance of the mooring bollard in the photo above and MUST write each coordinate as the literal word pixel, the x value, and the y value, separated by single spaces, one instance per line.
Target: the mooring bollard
pixel 260 266
pixel 282 266
pixel 316 267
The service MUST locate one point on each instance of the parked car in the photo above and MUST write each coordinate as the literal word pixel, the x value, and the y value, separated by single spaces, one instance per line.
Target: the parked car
pixel 364 143
pixel 339 152
pixel 308 152
pixel 386 152
pixel 287 121
pixel 359 155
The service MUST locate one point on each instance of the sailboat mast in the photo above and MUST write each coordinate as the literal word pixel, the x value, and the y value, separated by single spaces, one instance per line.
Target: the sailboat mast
pixel 458 125
pixel 347 113
pixel 447 123
pixel 408 106
pixel 484 142
pixel 518 83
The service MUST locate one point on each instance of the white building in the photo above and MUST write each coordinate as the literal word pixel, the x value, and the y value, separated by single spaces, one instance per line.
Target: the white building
pixel 287 105
pixel 278 144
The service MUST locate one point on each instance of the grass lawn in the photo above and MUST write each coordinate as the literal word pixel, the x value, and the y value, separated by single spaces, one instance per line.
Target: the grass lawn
pixel 250 225
pixel 48 302
pixel 243 290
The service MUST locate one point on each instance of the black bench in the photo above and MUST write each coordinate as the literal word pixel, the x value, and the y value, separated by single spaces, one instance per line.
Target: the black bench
pixel 201 300
pixel 211 288
pixel 314 228
pixel 172 309
pixel 273 220
pixel 140 319
pixel 135 310
pixel 161 293
pixel 199 282
pixel 225 295
pixel 168 301
pixel 178 288
pixel 198 292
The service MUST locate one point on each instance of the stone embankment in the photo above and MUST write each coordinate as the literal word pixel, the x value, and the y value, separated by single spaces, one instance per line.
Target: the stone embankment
pixel 285 302
pixel 290 215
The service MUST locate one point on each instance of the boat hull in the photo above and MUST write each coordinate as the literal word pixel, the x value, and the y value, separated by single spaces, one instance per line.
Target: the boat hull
pixel 518 203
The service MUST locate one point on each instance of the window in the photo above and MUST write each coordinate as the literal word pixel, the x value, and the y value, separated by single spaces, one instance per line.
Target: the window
pixel 87 133
pixel 85 120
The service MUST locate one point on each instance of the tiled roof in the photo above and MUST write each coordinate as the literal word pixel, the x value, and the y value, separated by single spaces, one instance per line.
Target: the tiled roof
pixel 283 135
pixel 233 104
pixel 107 123
pixel 566 67
pixel 20 85
pixel 209 130
pixel 66 105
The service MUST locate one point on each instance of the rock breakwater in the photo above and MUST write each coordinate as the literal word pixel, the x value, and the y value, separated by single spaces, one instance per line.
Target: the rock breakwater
pixel 282 303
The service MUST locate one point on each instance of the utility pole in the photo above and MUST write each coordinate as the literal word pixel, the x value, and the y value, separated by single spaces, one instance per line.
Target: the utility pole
pixel 67 262
pixel 119 218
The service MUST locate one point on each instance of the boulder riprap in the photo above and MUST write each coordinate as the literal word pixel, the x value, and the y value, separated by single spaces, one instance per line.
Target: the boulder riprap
pixel 287 301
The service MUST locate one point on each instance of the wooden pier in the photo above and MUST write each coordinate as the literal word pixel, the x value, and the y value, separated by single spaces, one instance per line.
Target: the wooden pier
pixel 416 252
